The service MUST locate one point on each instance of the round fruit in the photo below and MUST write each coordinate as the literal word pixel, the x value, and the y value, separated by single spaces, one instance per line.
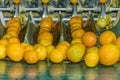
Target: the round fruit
pixel 78 33
pixel 109 54
pixel 2 51
pixel 101 22
pixel 31 57
pixel 107 37
pixel 76 52
pixel 56 56
pixel 41 51
pixel 92 57
pixel 15 52
pixel 89 39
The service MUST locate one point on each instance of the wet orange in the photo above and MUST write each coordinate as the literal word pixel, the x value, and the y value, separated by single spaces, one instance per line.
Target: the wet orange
pixel 63 47
pixel 92 57
pixel 76 52
pixel 109 54
pixel 89 39
pixel 45 35
pixel 78 33
pixel 31 57
pixel 2 51
pixel 3 42
pixel 13 40
pixel 41 51
pixel 107 37
pixel 16 1
pixel 103 1
pixel 56 56
pixel 15 52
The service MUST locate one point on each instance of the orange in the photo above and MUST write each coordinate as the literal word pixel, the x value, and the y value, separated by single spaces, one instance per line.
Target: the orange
pixel 63 47
pixel 45 24
pixel 92 57
pixel 74 1
pixel 117 42
pixel 89 39
pixel 41 51
pixel 56 56
pixel 15 52
pixel 3 42
pixel 76 52
pixel 16 71
pixel 107 37
pixel 23 44
pixel 78 33
pixel 76 19
pixel 6 36
pixel 13 40
pixel 13 28
pixel 28 47
pixel 2 51
pixel 45 35
pixel 31 57
pixel 109 54
pixel 49 50
pixel 16 1
pixel 49 20
pixel 103 1
pixel 13 33
pixel 45 42
pixel 101 22
pixel 76 41
pixel 45 1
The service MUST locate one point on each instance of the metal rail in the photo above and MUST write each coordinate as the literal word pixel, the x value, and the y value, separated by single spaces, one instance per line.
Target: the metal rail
pixel 22 9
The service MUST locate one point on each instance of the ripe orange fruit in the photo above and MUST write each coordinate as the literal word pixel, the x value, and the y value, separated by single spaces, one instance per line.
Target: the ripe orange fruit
pixel 16 1
pixel 92 57
pixel 109 54
pixel 41 51
pixel 76 52
pixel 56 56
pixel 13 40
pixel 15 52
pixel 76 41
pixel 107 37
pixel 117 42
pixel 28 47
pixel 2 51
pixel 49 50
pixel 3 42
pixel 78 33
pixel 89 39
pixel 76 19
pixel 31 57
pixel 6 36
pixel 45 42
pixel 63 47
pixel 45 35
pixel 103 1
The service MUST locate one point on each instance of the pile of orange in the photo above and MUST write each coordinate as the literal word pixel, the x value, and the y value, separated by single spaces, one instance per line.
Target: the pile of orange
pixel 45 38
pixel 13 28
pixel 76 24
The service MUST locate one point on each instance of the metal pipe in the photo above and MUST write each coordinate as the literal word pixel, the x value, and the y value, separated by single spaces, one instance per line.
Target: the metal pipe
pixel 63 19
pixel 63 9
